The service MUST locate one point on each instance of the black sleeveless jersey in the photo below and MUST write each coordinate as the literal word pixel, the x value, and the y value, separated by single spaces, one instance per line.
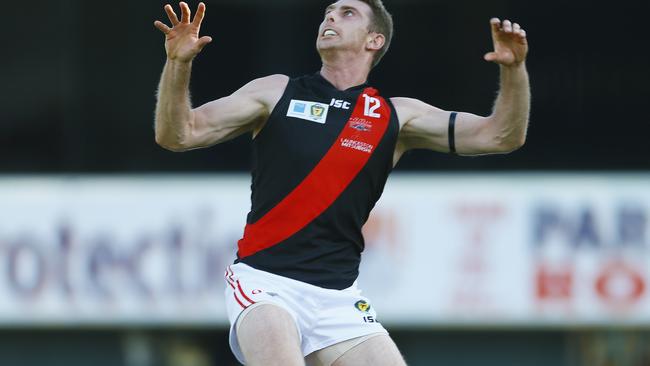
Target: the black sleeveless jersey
pixel 319 166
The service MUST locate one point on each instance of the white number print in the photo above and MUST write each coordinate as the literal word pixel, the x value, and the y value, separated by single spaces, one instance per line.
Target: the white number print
pixel 372 104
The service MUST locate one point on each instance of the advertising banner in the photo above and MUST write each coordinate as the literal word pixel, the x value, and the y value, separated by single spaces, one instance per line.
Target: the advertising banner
pixel 441 250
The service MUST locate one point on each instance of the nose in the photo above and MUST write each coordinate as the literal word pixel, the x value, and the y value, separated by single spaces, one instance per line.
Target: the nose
pixel 330 17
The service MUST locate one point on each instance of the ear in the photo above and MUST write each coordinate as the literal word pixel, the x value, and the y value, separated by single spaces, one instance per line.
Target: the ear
pixel 375 41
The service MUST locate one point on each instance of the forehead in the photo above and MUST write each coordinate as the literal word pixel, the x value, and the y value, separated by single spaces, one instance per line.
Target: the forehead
pixel 356 4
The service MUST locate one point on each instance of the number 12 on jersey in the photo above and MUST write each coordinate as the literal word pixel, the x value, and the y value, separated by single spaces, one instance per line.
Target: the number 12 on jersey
pixel 372 104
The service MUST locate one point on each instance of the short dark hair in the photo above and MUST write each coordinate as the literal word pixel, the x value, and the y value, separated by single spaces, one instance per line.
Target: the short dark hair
pixel 382 23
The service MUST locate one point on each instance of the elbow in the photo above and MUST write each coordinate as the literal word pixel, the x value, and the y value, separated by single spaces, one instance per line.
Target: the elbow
pixel 505 138
pixel 510 144
pixel 521 142
pixel 169 144
pixel 169 139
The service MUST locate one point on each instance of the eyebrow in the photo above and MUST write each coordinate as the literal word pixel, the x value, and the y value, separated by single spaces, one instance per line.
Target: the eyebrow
pixel 344 7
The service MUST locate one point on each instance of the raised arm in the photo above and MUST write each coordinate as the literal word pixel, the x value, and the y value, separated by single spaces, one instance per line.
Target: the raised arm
pixel 425 126
pixel 181 128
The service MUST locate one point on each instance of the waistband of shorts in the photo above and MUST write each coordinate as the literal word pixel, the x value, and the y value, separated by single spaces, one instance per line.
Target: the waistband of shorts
pixel 246 268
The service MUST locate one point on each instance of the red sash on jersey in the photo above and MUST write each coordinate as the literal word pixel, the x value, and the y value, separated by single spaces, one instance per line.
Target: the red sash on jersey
pixel 329 178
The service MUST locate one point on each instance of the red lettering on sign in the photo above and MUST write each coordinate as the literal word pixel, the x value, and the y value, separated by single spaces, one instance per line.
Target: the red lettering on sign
pixel 620 284
pixel 554 284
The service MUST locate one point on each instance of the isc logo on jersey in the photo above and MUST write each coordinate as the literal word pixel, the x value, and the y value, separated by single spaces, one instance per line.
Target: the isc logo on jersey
pixel 310 111
pixel 336 103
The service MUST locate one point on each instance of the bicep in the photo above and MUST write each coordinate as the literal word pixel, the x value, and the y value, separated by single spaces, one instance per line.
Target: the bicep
pixel 428 127
pixel 228 117
pixel 225 118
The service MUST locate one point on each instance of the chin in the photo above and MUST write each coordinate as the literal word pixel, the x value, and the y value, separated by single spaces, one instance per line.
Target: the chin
pixel 324 47
pixel 328 44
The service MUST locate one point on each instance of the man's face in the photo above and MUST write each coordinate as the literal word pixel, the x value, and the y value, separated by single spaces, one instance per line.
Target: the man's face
pixel 344 26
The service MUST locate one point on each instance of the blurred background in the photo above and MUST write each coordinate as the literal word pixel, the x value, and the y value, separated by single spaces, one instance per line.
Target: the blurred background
pixel 112 249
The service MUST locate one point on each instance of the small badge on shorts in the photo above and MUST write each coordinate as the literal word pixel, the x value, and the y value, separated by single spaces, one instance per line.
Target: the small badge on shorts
pixel 362 306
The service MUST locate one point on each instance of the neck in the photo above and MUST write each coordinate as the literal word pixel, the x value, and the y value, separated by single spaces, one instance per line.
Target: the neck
pixel 345 73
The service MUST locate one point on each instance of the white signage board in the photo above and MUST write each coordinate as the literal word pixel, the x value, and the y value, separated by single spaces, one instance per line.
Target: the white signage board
pixel 446 250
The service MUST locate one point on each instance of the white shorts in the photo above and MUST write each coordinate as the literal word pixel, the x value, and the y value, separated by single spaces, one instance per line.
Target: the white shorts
pixel 324 317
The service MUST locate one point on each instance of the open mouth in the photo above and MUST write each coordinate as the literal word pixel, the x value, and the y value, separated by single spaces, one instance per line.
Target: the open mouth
pixel 330 33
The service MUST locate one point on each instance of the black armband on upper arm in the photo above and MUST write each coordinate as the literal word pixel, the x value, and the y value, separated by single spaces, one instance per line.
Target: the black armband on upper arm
pixel 452 133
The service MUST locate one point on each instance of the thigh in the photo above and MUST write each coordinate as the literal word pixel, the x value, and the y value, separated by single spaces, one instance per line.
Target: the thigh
pixel 268 336
pixel 375 351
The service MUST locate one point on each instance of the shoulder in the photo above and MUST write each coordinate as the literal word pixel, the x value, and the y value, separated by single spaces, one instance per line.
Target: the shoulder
pixel 267 83
pixel 274 80
pixel 412 105
pixel 265 90
pixel 410 108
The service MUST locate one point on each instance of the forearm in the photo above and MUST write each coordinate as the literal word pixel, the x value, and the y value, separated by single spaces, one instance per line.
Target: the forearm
pixel 173 109
pixel 509 120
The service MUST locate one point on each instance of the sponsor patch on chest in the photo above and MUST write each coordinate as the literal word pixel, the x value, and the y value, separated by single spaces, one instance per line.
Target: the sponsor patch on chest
pixel 357 145
pixel 310 111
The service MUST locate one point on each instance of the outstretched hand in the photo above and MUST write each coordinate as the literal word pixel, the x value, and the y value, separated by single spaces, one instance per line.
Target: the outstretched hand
pixel 510 44
pixel 182 40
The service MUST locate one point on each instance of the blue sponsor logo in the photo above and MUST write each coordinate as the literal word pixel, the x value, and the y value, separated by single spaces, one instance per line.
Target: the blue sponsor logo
pixel 360 127
pixel 299 107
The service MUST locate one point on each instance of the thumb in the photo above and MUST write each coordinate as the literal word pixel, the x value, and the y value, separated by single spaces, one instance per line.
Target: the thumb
pixel 203 41
pixel 490 56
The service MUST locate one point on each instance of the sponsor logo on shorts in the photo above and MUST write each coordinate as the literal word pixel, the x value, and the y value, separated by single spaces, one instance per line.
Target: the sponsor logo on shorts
pixel 310 111
pixel 362 306
pixel 357 145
